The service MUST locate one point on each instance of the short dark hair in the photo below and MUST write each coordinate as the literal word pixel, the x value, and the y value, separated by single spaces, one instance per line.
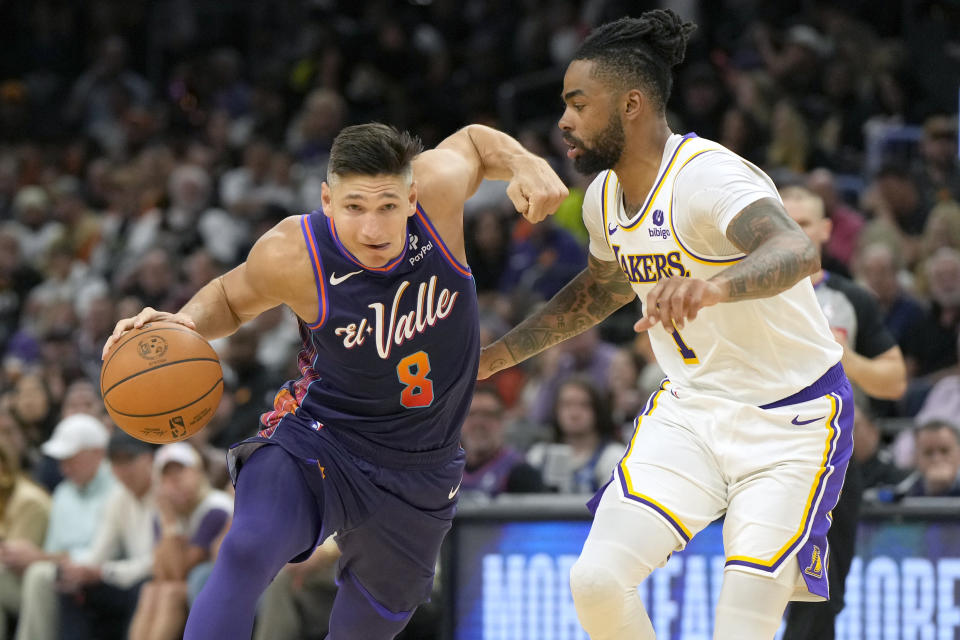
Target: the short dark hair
pixel 372 149
pixel 936 425
pixel 639 52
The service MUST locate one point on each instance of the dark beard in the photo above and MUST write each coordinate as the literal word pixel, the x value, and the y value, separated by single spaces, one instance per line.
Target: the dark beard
pixel 606 150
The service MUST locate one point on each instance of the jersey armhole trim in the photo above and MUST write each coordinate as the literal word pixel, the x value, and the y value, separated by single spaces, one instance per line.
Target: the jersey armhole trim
pixel 310 239
pixel 460 269
pixel 691 254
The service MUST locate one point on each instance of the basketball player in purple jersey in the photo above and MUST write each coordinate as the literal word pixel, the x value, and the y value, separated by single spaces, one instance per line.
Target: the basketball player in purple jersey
pixel 365 444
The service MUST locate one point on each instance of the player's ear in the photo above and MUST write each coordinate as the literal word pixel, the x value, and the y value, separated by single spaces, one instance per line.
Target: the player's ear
pixel 326 198
pixel 633 104
pixel 412 198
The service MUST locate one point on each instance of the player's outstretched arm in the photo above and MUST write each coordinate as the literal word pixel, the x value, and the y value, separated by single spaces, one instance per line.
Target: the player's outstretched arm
pixel 594 294
pixel 475 153
pixel 272 274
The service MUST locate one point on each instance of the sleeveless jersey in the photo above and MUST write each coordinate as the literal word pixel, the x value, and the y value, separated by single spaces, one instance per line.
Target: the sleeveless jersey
pixel 755 351
pixel 389 365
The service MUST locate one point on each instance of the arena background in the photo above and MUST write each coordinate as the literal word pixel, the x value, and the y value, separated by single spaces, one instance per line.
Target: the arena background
pixel 145 144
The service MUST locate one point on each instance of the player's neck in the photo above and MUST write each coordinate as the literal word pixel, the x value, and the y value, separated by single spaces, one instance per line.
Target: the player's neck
pixel 640 163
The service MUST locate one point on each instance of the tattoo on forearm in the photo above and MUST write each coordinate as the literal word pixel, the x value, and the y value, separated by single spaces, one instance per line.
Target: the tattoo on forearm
pixel 594 294
pixel 780 254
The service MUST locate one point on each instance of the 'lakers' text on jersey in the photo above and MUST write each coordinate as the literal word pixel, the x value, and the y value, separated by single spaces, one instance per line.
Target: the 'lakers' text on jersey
pixel 757 351
pixel 389 364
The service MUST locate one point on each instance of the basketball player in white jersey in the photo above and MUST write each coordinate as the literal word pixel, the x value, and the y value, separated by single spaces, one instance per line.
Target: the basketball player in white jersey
pixel 754 421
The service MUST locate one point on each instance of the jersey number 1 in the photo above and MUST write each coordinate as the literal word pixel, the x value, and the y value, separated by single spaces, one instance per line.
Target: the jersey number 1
pixel 689 355
pixel 412 371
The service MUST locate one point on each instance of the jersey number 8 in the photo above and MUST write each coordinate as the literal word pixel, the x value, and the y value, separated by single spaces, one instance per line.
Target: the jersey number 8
pixel 412 371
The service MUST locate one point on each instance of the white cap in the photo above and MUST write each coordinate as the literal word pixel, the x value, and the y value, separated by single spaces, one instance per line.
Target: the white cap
pixel 74 434
pixel 179 452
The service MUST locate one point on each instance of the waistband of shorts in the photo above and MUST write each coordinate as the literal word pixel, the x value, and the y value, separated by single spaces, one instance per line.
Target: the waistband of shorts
pixel 833 378
pixel 391 458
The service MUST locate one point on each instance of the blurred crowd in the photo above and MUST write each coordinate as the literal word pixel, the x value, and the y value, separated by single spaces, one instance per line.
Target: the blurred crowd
pixel 145 146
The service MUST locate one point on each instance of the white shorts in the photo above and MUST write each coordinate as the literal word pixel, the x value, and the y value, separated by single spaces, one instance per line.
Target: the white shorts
pixel 775 472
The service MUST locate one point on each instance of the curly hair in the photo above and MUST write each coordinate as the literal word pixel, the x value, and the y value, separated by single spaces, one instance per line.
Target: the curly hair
pixel 639 52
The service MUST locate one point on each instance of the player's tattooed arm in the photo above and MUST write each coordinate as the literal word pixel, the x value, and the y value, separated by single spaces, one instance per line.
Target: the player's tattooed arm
pixel 585 301
pixel 779 253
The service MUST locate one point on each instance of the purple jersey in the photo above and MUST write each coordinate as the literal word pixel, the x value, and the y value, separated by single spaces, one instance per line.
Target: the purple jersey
pixel 389 365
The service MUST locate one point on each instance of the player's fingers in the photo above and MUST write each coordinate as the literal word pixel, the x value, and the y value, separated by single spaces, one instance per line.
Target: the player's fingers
pixel 651 308
pixel 693 304
pixel 517 197
pixel 676 304
pixel 145 316
pixel 643 324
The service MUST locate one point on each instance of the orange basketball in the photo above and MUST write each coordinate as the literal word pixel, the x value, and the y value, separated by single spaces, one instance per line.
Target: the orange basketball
pixel 162 382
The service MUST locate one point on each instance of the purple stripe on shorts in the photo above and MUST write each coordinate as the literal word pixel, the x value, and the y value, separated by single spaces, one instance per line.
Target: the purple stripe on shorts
pixel 828 382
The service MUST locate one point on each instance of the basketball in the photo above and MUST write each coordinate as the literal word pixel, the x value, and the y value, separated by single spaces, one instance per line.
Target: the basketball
pixel 162 382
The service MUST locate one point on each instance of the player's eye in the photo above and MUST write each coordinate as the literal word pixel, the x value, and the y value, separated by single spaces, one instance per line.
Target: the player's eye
pixel 389 206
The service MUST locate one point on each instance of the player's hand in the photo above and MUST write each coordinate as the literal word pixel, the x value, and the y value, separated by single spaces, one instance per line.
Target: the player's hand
pixel 149 314
pixel 535 189
pixel 675 300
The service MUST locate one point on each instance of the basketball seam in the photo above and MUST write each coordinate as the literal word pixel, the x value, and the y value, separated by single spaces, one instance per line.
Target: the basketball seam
pixel 169 411
pixel 159 366
pixel 116 349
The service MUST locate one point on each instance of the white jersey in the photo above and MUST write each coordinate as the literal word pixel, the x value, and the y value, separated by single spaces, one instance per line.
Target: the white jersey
pixel 755 351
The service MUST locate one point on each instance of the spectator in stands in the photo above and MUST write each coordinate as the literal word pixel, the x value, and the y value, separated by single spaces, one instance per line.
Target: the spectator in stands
pixel 894 196
pixel 492 466
pixel 191 518
pixel 98 588
pixel 541 259
pixel 79 502
pixel 584 354
pixel 24 514
pixel 877 468
pixel 32 407
pixel 939 171
pixel 17 278
pixel 943 401
pixel 252 384
pixel 586 447
pixel 80 226
pixel 487 235
pixel 94 94
pixel 932 345
pixel 942 228
pixel 845 221
pixel 877 266
pixel 938 460
pixel 626 399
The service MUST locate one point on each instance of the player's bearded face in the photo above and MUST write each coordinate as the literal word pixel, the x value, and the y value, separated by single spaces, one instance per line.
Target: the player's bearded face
pixel 604 151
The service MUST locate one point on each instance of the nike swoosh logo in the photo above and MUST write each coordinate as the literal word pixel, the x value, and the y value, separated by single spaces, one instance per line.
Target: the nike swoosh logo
pixel 334 280
pixel 612 230
pixel 797 421
pixel 455 489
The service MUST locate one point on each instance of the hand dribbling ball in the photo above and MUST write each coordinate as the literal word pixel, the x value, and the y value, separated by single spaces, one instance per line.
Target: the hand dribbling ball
pixel 162 382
